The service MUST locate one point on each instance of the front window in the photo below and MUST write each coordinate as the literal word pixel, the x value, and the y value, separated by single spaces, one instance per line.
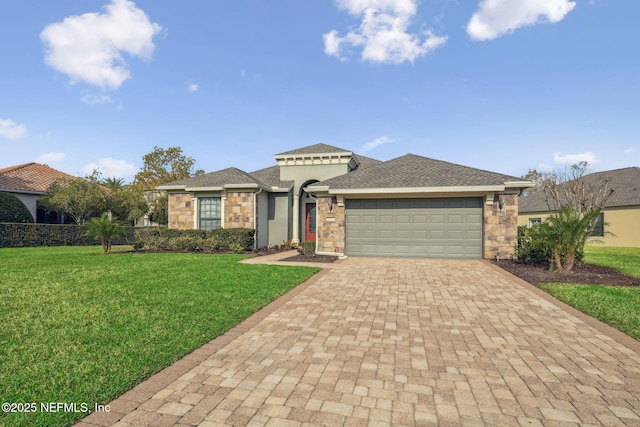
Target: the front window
pixel 534 221
pixel 598 229
pixel 210 213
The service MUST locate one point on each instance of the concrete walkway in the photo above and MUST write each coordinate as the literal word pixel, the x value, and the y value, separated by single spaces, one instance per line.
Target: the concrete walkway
pixel 400 342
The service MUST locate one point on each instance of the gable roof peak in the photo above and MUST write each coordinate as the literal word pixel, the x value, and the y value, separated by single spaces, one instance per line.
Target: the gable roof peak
pixel 314 149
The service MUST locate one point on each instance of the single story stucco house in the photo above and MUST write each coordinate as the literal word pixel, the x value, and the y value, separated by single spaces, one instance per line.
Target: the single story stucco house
pixel 411 206
pixel 29 182
pixel 619 222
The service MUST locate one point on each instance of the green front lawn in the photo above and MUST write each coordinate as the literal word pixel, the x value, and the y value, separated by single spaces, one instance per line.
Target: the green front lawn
pixel 625 260
pixel 80 327
pixel 616 306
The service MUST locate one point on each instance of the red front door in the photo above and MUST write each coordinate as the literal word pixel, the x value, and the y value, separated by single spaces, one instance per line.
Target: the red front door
pixel 310 223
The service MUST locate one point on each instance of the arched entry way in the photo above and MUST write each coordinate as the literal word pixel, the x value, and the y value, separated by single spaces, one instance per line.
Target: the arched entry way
pixel 305 220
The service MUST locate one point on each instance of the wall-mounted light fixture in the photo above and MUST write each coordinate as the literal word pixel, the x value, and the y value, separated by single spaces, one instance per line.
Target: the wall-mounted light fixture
pixel 332 201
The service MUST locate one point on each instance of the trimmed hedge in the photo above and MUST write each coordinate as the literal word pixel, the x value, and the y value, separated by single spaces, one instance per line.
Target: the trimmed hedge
pixel 33 235
pixel 217 240
pixel 13 210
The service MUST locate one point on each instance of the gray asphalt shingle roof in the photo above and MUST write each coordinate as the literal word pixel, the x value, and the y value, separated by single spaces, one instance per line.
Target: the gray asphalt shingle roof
pixel 624 182
pixel 219 179
pixel 366 162
pixel 416 171
pixel 271 177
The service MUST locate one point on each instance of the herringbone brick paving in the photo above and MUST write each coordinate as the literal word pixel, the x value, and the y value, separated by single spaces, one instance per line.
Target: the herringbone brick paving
pixel 399 342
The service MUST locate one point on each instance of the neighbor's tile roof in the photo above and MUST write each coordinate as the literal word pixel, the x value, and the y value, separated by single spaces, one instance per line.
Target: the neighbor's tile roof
pixel 271 177
pixel 218 179
pixel 625 184
pixel 416 171
pixel 29 177
pixel 315 149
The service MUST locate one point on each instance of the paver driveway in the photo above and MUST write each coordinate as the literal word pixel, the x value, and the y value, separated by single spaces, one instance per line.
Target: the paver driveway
pixel 400 342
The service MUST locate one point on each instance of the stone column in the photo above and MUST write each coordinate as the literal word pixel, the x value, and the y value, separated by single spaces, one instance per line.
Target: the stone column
pixel 296 220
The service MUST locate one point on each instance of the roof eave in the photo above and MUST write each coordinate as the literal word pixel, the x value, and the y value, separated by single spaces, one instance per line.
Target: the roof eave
pixel 409 190
pixel 13 190
pixel 171 187
pixel 519 184
pixel 298 155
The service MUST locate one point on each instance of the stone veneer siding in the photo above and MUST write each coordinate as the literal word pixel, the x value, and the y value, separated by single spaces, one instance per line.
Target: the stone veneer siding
pixel 238 210
pixel 330 226
pixel 181 211
pixel 501 227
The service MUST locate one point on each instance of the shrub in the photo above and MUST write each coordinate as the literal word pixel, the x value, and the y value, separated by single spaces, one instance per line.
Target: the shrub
pixel 308 248
pixel 287 245
pixel 105 228
pixel 217 240
pixel 34 235
pixel 13 210
pixel 532 246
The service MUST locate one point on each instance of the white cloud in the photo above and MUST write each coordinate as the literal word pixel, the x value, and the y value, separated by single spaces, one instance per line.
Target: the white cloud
pixel 629 150
pixel 375 143
pixel 111 168
pixel 192 87
pixel 495 18
pixel 89 47
pixel 543 167
pixel 93 99
pixel 12 130
pixel 570 159
pixel 50 157
pixel 383 34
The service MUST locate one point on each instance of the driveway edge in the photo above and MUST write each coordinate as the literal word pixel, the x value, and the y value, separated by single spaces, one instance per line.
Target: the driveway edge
pixel 610 331
pixel 142 392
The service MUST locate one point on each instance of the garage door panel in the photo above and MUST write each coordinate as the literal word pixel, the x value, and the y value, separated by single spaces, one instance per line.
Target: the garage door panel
pixel 386 234
pixel 385 219
pixel 455 219
pixel 403 219
pixel 455 234
pixel 369 234
pixel 419 234
pixel 421 218
pixel 403 234
pixel 437 219
pixel 473 235
pixel 415 227
pixel 437 233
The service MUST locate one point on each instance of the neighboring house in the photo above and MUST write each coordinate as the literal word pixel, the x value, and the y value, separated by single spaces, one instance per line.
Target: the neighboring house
pixel 619 223
pixel 349 204
pixel 29 182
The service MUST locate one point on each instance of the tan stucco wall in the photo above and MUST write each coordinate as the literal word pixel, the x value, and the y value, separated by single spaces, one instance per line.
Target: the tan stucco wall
pixel 330 235
pixel 238 210
pixel 500 227
pixel 181 208
pixel 622 222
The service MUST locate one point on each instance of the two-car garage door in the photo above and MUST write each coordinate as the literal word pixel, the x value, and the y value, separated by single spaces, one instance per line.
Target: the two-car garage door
pixel 439 228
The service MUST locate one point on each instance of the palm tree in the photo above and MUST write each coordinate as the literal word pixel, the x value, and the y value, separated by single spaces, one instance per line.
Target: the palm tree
pixel 113 184
pixel 566 232
pixel 106 228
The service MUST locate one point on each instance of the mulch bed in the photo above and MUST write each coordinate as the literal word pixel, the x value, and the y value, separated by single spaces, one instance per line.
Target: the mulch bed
pixel 583 274
pixel 311 258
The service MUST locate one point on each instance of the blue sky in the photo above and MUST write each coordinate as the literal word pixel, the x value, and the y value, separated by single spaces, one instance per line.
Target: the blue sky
pixel 502 85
